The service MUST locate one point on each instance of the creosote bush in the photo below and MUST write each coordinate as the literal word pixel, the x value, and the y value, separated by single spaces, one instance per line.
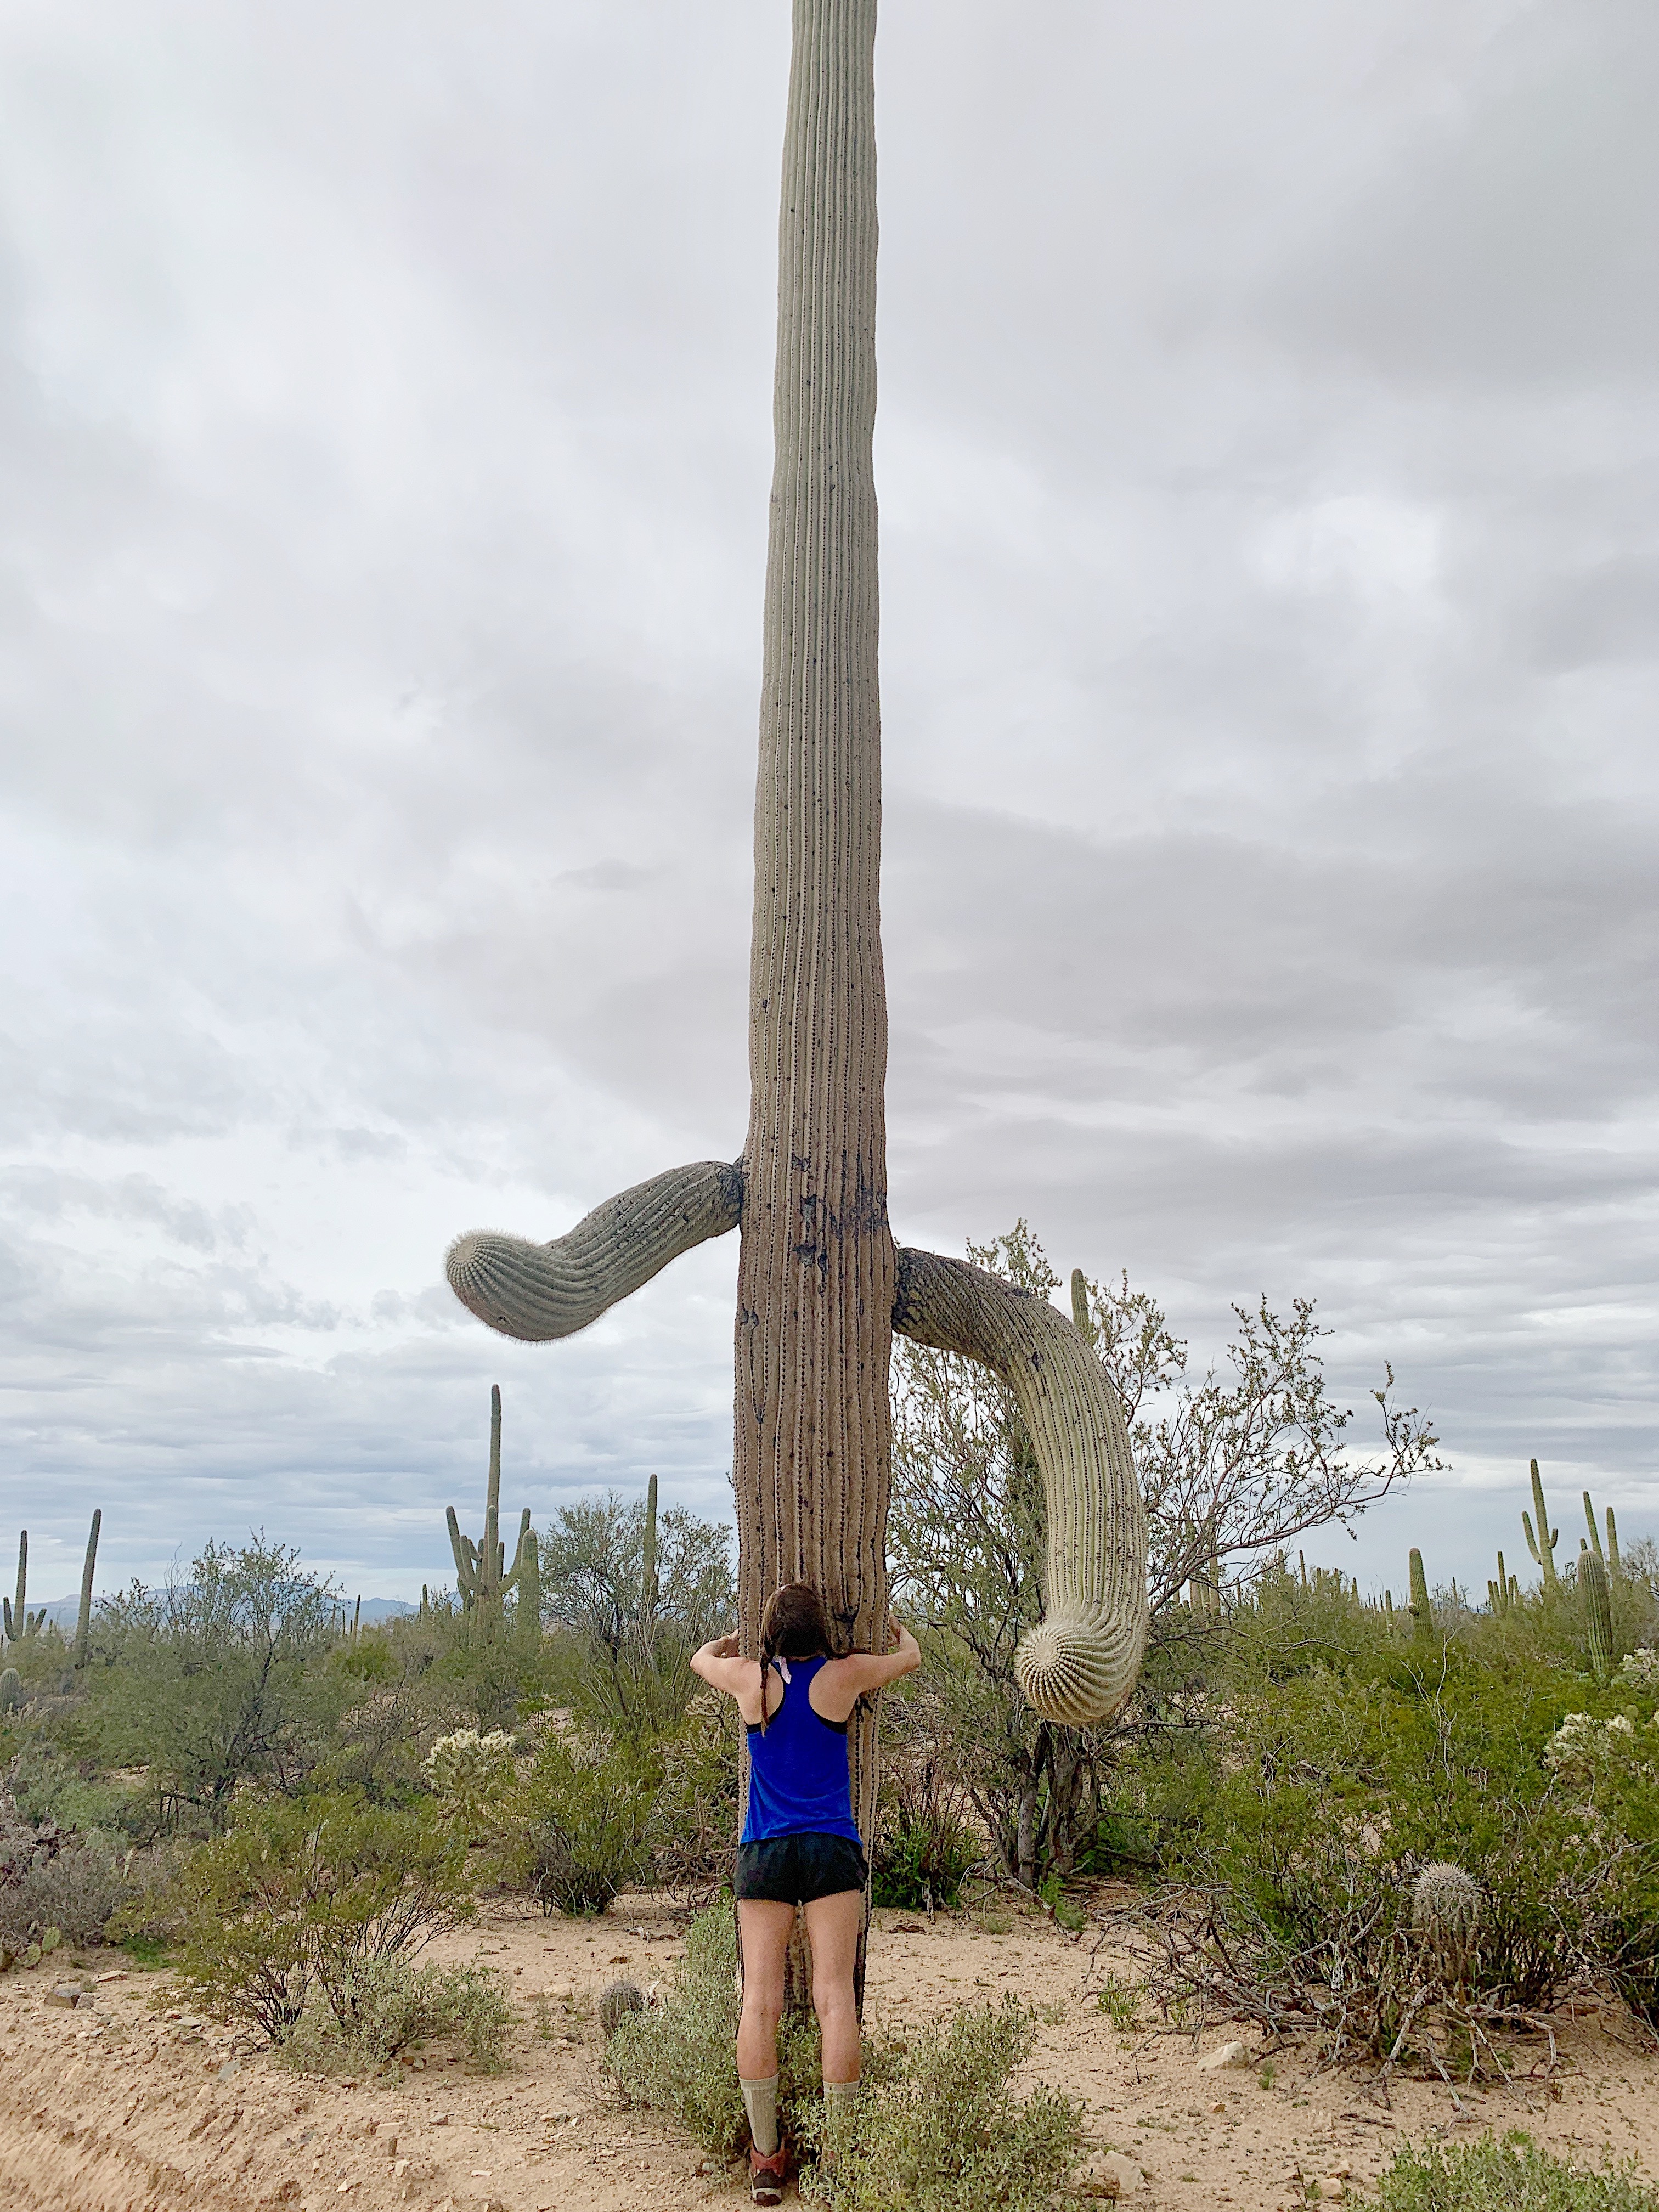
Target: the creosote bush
pixel 388 2005
pixel 1510 2176
pixel 936 2128
pixel 300 1898
pixel 581 1824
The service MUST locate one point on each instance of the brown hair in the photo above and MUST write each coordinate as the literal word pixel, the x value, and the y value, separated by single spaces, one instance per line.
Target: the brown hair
pixel 795 1624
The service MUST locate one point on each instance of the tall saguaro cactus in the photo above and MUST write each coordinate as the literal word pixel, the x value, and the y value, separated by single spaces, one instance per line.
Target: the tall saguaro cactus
pixel 482 1574
pixel 1542 1544
pixel 820 1284
pixel 20 1625
pixel 88 1568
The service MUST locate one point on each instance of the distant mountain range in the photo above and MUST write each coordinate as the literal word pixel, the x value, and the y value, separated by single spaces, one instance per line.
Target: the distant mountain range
pixel 64 1612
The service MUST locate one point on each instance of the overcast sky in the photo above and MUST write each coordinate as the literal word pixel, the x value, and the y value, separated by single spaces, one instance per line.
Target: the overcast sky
pixel 1267 453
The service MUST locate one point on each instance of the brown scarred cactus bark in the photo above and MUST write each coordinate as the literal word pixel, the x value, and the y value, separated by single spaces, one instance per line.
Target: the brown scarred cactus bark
pixel 821 1286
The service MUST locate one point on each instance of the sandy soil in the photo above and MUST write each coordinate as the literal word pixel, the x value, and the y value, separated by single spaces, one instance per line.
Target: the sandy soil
pixel 127 2101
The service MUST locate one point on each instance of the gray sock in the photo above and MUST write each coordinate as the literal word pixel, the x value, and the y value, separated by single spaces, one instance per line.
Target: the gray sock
pixel 840 2102
pixel 760 2101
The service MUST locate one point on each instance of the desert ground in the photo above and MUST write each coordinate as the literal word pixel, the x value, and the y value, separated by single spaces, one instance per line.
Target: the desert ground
pixel 127 2100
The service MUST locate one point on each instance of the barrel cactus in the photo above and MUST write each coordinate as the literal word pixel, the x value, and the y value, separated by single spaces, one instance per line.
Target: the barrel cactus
pixel 11 1689
pixel 616 2002
pixel 1445 1916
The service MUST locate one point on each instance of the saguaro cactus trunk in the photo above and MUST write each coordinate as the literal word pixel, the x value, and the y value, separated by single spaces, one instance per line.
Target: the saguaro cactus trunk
pixel 821 1285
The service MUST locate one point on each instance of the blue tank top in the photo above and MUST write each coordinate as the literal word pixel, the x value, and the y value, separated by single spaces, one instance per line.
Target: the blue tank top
pixel 797 1779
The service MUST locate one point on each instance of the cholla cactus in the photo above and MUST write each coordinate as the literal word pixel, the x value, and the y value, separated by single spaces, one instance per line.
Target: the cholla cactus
pixel 616 2002
pixel 468 1772
pixel 1639 1669
pixel 1445 1914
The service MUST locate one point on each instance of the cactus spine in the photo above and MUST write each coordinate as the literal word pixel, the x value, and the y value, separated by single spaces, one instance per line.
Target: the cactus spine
pixel 482 1574
pixel 1542 1544
pixel 1422 1611
pixel 1598 1611
pixel 84 1619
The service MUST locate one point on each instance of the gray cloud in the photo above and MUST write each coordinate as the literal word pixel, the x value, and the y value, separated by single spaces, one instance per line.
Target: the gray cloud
pixel 1267 451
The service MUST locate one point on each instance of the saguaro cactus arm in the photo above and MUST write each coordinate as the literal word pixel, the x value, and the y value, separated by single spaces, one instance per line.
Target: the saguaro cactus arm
pixel 1598 1610
pixel 88 1568
pixel 539 1291
pixel 1079 1663
pixel 1542 1544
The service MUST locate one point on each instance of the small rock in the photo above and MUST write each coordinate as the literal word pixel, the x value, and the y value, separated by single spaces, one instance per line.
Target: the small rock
pixel 231 2066
pixel 907 1928
pixel 1109 2173
pixel 115 1974
pixel 1220 2106
pixel 1229 2054
pixel 64 1993
pixel 440 2120
pixel 400 2169
pixel 1333 2189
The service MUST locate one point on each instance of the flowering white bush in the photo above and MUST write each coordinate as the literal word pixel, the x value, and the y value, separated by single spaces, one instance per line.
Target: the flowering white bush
pixel 1640 1670
pixel 467 1770
pixel 1582 1741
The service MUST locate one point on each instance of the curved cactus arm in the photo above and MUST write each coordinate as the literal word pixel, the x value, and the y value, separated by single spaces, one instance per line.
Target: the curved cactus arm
pixel 538 1292
pixel 1080 1662
pixel 465 1576
pixel 511 1576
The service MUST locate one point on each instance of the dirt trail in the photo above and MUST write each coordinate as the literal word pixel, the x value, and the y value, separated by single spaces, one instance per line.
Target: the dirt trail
pixel 114 2107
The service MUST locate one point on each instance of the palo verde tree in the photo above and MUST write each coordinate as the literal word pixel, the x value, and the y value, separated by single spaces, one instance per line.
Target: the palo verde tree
pixel 821 1283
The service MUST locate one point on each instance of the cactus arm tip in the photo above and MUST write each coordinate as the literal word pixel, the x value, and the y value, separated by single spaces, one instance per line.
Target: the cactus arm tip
pixel 1080 1662
pixel 538 1292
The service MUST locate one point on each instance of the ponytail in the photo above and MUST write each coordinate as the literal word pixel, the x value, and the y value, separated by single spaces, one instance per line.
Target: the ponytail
pixel 794 1625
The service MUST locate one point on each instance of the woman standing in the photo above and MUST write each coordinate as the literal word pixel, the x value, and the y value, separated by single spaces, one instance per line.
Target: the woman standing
pixel 800 1847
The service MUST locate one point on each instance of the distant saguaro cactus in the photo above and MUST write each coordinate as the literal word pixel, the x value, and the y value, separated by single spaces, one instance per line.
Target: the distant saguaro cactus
pixel 1422 1611
pixel 482 1574
pixel 1609 1559
pixel 20 1625
pixel 11 1689
pixel 1446 1915
pixel 1598 1611
pixel 821 1283
pixel 1504 1592
pixel 1541 1544
pixel 84 1619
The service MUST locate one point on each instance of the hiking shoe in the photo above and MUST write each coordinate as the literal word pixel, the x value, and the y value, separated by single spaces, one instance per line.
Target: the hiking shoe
pixel 767 2176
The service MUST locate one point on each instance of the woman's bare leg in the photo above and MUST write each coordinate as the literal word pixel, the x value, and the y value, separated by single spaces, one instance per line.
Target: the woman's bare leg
pixel 764 1927
pixel 833 1927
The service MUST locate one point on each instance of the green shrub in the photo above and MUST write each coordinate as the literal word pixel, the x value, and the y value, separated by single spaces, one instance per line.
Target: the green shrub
pixel 681 2056
pixel 942 2133
pixel 76 1891
pixel 919 1865
pixel 300 1896
pixel 935 2130
pixel 583 1824
pixel 1513 2176
pixel 390 2004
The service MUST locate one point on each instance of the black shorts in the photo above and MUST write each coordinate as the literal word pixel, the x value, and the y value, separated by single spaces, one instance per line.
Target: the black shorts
pixel 797 1869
